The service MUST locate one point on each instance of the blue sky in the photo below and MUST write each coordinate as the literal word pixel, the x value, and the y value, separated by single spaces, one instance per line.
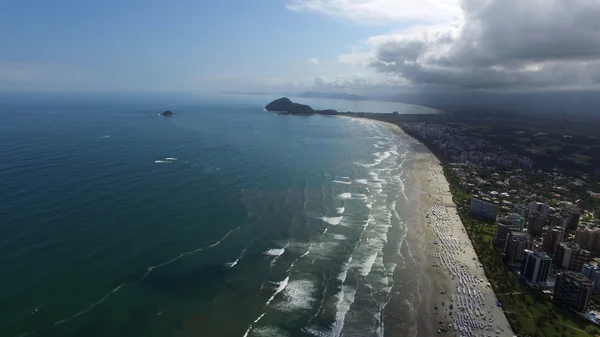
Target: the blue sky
pixel 169 44
pixel 358 46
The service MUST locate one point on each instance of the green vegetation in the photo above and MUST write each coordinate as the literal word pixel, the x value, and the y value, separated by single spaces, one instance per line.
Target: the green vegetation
pixel 529 311
pixel 566 144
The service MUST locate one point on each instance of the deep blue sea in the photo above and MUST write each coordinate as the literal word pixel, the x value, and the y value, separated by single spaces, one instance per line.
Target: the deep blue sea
pixel 223 220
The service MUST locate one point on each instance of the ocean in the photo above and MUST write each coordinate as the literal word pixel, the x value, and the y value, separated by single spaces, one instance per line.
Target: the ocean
pixel 223 220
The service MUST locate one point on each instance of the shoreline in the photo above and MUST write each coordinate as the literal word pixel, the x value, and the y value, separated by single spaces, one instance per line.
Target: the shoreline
pixel 439 243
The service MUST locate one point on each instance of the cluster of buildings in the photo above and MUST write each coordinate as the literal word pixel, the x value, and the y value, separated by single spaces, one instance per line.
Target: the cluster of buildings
pixel 588 238
pixel 466 149
pixel 534 238
pixel 533 242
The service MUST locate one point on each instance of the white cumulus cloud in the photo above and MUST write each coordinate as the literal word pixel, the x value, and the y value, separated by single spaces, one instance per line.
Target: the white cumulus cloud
pixel 313 60
pixel 530 44
pixel 381 12
pixel 501 43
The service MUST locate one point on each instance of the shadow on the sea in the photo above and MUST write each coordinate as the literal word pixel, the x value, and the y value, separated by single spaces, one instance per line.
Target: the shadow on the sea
pixel 136 320
pixel 171 282
pixel 139 319
pixel 129 278
pixel 185 283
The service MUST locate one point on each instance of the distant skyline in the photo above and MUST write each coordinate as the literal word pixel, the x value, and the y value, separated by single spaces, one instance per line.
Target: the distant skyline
pixel 354 46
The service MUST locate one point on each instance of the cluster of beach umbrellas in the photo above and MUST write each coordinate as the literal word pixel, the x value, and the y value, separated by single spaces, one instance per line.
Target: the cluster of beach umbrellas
pixel 467 306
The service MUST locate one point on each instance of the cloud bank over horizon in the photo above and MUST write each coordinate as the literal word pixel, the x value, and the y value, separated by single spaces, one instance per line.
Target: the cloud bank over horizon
pixel 477 44
pixel 355 46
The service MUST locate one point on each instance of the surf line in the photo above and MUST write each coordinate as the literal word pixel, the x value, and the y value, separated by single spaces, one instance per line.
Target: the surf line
pixel 64 320
pixel 107 295
pixel 151 268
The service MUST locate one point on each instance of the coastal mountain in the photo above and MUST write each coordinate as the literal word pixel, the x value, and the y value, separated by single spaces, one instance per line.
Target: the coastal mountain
pixel 285 105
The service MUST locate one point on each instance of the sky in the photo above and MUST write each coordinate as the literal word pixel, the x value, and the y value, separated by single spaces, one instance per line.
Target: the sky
pixel 355 46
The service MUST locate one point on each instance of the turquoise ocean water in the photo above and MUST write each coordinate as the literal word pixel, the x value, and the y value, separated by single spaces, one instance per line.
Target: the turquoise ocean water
pixel 224 220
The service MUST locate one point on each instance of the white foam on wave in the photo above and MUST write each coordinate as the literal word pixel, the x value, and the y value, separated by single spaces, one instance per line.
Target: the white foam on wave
pixel 324 249
pixel 151 268
pixel 298 295
pixel 104 137
pixel 380 158
pixel 362 181
pixel 342 275
pixel 317 332
pixel 340 210
pixel 332 220
pixel 339 237
pixel 345 195
pixel 368 264
pixel 360 196
pixel 232 264
pixel 269 331
pixel 379 330
pixel 162 161
pixel 255 321
pixel 345 300
pixel 281 286
pixel 374 176
pixel 275 251
pixel 342 182
pixel 170 158
pixel 376 185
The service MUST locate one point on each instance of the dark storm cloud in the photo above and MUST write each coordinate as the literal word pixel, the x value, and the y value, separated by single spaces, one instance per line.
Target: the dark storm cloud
pixel 503 43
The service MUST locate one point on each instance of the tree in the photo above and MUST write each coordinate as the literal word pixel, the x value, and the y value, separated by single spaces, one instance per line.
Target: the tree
pixel 540 322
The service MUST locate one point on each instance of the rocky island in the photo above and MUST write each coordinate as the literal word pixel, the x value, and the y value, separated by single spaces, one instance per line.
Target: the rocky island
pixel 167 113
pixel 285 106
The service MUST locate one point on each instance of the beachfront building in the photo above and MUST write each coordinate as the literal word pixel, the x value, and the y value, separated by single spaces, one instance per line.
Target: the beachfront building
pixel 546 241
pixel 571 256
pixel 535 267
pixel 502 236
pixel 588 238
pixel 592 272
pixel 573 290
pixel 535 224
pixel 559 220
pixel 539 207
pixel 516 244
pixel 574 215
pixel 516 220
pixel 521 210
pixel 551 238
pixel 484 209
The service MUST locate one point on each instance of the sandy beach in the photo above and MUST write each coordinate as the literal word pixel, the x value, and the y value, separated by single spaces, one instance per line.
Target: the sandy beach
pixel 454 290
